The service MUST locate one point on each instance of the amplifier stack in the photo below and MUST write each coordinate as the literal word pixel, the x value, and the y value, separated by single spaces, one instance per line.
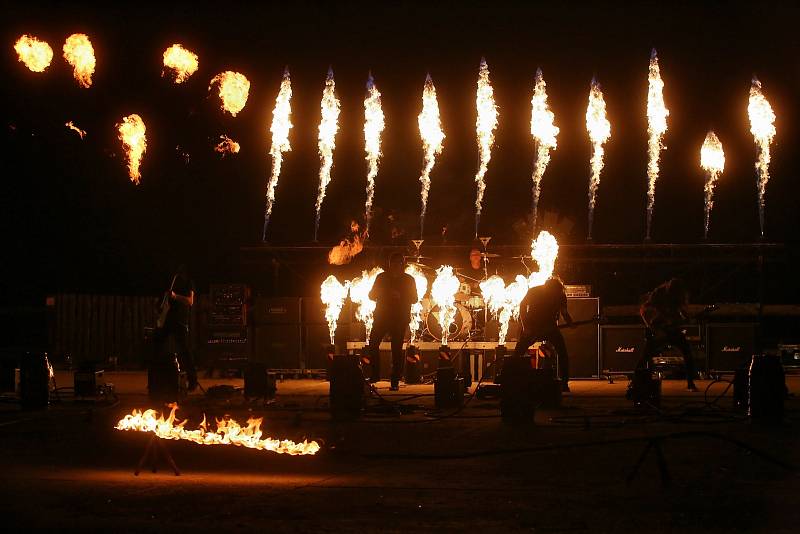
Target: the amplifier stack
pixel 228 341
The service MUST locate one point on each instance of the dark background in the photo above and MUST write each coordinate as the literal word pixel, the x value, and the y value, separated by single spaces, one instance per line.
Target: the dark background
pixel 72 220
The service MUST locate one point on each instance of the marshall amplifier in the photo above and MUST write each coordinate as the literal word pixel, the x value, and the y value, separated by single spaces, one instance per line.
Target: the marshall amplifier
pixel 622 347
pixel 730 346
pixel 582 341
pixel 277 310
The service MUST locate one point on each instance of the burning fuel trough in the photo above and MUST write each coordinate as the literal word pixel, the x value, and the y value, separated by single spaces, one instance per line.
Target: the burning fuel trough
pixel 328 126
pixel 180 62
pixel 281 124
pixel 134 142
pixel 233 88
pixel 657 114
pixel 430 130
pixel 712 160
pixel 599 131
pixel 35 54
pixel 373 127
pixel 228 432
pixel 762 126
pixel 79 53
pixel 485 125
pixel 226 145
pixel 544 132
pixel 359 295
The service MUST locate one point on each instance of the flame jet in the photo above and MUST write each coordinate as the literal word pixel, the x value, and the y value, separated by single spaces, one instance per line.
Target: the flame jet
pixel 71 126
pixel 712 160
pixel 134 141
pixel 34 53
pixel 234 89
pixel 657 114
pixel 359 295
pixel 328 127
pixel 373 126
pixel 544 249
pixel 226 145
pixel 443 292
pixel 430 129
pixel 181 62
pixel 485 125
pixel 281 124
pixel 599 131
pixel 544 133
pixel 762 126
pixel 333 293
pixel 79 53
pixel 416 309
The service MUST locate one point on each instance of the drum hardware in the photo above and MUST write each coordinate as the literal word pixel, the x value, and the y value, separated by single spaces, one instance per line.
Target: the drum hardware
pixel 489 255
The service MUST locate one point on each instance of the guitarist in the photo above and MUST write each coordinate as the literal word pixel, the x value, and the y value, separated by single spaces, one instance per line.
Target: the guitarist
pixel 174 321
pixel 539 312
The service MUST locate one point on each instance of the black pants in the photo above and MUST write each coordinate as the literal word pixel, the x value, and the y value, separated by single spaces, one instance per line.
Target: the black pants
pixel 550 334
pixel 655 342
pixel 396 328
pixel 180 333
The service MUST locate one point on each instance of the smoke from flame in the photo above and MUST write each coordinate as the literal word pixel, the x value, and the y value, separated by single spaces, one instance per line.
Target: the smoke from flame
pixel 181 62
pixel 762 126
pixel 657 114
pixel 416 309
pixel 132 134
pixel 234 88
pixel 328 127
pixel 599 131
pixel 226 145
pixel 430 129
pixel 373 126
pixel 34 53
pixel 79 53
pixel 228 432
pixel 544 133
pixel 712 160
pixel 281 124
pixel 485 126
pixel 333 293
pixel 71 126
pixel 359 295
pixel 443 292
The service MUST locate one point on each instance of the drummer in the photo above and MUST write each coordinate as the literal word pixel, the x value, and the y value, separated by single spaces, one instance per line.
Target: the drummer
pixel 474 270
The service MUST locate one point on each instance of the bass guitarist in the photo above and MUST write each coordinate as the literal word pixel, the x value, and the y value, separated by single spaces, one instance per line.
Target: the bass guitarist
pixel 174 321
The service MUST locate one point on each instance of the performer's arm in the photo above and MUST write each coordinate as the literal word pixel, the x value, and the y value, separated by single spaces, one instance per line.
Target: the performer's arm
pixel 188 300
pixel 564 311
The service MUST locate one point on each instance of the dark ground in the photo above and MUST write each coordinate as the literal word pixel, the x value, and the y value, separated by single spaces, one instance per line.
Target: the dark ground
pixel 68 468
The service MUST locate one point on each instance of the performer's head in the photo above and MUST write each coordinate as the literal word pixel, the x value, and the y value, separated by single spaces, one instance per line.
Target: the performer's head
pixel 676 290
pixel 397 262
pixel 475 257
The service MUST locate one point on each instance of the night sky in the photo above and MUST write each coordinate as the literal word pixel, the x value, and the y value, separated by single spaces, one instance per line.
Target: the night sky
pixel 72 220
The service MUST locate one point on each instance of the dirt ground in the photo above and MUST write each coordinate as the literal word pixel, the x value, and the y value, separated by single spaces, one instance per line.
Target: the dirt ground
pixel 404 467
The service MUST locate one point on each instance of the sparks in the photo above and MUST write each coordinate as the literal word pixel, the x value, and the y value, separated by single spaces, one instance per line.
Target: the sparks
pixel 71 126
pixel 443 292
pixel 35 54
pixel 328 127
pixel 657 114
pixel 544 133
pixel 416 309
pixel 281 124
pixel 599 131
pixel 181 63
pixel 359 295
pixel 228 432
pixel 485 126
pixel 333 293
pixel 234 88
pixel 132 134
pixel 762 126
pixel 430 129
pixel 712 160
pixel 373 127
pixel 226 145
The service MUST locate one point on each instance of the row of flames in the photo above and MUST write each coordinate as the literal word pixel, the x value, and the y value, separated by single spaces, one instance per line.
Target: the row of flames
pixel 503 300
pixel 227 432
pixel 234 87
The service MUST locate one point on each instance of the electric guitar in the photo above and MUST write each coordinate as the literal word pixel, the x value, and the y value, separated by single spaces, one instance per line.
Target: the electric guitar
pixel 163 308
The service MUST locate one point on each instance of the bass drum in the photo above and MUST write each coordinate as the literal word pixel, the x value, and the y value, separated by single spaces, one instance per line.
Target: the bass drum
pixel 459 328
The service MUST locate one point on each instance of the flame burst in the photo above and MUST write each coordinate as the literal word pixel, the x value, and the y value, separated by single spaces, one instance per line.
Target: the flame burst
pixel 712 159
pixel 430 129
pixel 485 126
pixel 227 145
pixel 328 127
pixel 544 250
pixel 504 301
pixel 416 309
pixel 35 54
pixel 443 292
pixel 544 133
pixel 762 126
pixel 132 134
pixel 181 62
pixel 281 124
pixel 79 53
pixel 333 293
pixel 599 131
pixel 359 294
pixel 234 88
pixel 657 114
pixel 228 432
pixel 373 127
pixel 71 126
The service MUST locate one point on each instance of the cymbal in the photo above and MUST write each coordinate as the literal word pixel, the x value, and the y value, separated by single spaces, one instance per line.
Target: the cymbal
pixel 489 255
pixel 418 264
pixel 521 257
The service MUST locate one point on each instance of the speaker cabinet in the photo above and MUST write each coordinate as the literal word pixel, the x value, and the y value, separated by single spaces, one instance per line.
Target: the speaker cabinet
pixel 583 341
pixel 621 347
pixel 277 310
pixel 278 346
pixel 730 346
